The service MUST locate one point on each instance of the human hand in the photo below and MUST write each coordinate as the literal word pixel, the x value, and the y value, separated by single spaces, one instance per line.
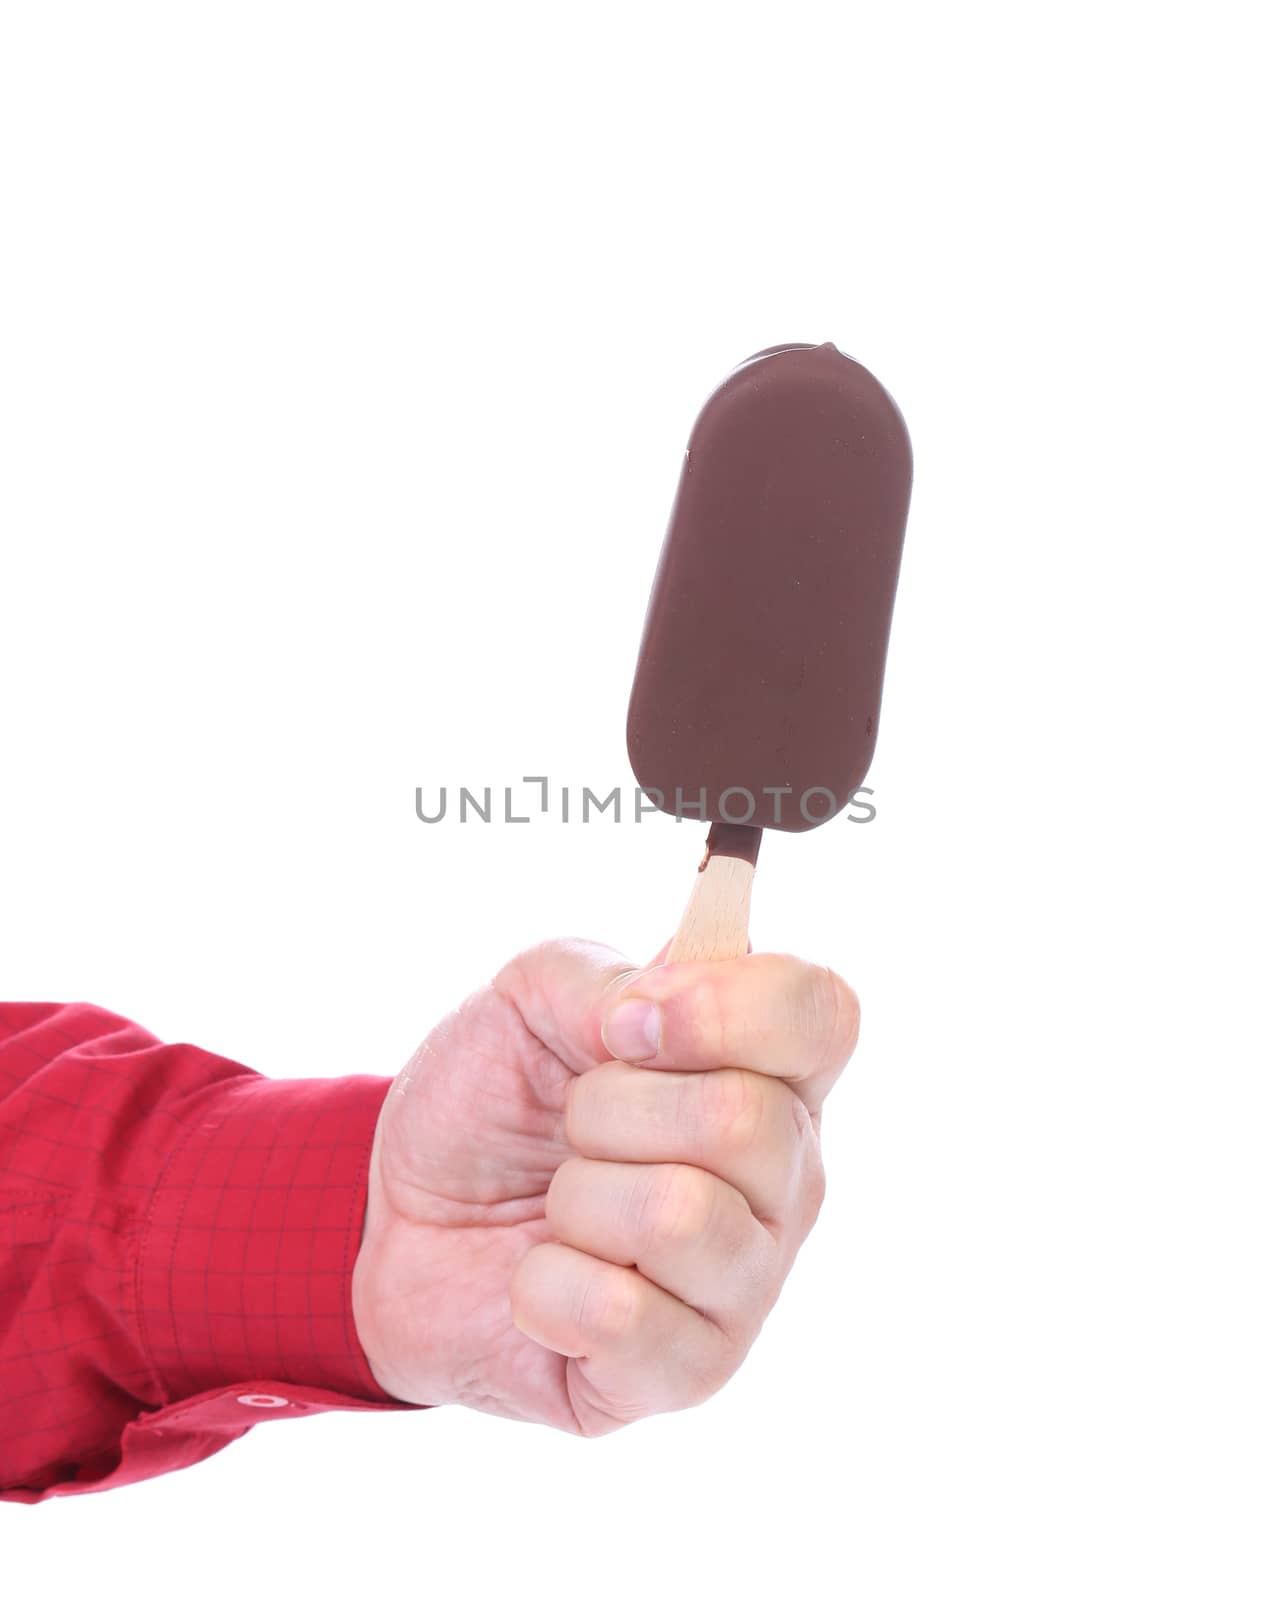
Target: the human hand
pixel 567 1224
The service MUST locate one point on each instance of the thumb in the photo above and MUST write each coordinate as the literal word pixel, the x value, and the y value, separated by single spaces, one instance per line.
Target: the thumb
pixel 562 990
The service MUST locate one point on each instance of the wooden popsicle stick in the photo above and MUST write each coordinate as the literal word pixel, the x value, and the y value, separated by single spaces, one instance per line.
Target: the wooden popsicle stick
pixel 714 926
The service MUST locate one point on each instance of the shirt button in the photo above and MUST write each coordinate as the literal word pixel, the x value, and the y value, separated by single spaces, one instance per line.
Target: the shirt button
pixel 265 1402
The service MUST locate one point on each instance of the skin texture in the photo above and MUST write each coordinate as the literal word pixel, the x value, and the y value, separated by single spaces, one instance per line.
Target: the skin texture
pixel 569 1224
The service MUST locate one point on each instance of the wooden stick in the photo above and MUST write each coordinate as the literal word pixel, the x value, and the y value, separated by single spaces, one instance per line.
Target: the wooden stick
pixel 714 926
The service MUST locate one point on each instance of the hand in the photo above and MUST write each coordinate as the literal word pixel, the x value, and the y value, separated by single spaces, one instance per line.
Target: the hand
pixel 556 1235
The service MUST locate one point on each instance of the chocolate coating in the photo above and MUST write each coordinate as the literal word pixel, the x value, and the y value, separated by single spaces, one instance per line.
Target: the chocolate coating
pixel 759 678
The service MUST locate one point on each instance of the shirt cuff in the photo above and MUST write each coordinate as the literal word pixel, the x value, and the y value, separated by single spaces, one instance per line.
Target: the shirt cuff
pixel 244 1272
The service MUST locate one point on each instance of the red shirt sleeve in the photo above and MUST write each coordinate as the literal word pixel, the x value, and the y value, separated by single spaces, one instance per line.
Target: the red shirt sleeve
pixel 177 1238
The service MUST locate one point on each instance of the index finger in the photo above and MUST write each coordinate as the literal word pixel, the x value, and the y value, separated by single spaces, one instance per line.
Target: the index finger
pixel 773 1014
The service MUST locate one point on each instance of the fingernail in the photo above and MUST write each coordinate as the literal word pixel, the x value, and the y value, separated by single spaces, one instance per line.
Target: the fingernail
pixel 631 1031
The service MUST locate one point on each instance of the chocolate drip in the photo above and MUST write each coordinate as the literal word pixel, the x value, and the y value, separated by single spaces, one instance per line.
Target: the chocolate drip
pixel 732 839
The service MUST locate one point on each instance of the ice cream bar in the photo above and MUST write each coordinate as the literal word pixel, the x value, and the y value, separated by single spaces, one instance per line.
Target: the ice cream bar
pixel 758 684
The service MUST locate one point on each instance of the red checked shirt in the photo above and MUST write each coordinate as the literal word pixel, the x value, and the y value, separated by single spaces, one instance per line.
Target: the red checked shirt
pixel 177 1237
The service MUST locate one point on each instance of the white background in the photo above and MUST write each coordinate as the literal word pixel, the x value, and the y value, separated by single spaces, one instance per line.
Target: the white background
pixel 347 354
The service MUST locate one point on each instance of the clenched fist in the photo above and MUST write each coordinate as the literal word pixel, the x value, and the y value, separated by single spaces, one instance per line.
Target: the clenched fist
pixel 589 1183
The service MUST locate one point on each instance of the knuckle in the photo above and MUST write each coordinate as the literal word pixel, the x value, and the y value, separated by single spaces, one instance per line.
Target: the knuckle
pixel 831 1014
pixel 534 981
pixel 814 1186
pixel 609 1307
pixel 520 979
pixel 732 1109
pixel 535 959
pixel 719 1366
pixel 810 1181
pixel 678 1206
pixel 707 1021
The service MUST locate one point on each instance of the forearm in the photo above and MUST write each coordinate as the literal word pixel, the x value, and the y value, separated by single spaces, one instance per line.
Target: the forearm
pixel 177 1238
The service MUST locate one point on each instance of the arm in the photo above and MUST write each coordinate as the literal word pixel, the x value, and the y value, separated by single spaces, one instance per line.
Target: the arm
pixel 576 1206
pixel 177 1238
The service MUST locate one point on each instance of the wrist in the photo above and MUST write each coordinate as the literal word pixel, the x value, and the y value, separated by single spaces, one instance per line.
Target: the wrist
pixel 403 1301
pixel 370 1274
